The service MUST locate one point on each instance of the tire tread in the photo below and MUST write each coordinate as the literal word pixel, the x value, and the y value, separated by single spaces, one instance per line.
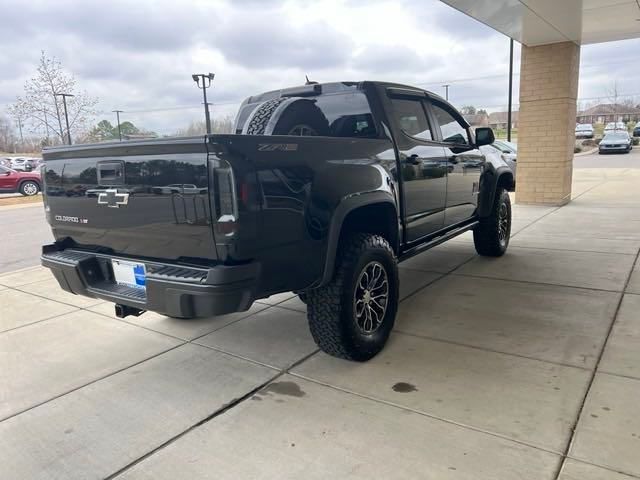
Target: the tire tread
pixel 485 235
pixel 324 304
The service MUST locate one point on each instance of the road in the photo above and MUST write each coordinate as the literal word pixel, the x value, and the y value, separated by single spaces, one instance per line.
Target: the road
pixel 25 229
pixel 610 160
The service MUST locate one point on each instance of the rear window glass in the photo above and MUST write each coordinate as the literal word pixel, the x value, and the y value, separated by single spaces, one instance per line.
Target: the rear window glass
pixel 345 114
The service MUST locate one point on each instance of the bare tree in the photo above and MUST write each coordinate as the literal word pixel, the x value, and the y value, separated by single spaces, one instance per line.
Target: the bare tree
pixel 614 98
pixel 218 125
pixel 7 138
pixel 42 106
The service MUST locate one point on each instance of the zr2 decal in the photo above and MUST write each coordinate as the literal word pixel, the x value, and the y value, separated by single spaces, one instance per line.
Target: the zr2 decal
pixel 277 147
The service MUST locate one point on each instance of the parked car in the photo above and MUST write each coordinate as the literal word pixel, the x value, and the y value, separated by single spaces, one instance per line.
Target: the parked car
pixel 26 183
pixel 508 151
pixel 615 142
pixel 24 164
pixel 321 191
pixel 636 130
pixel 183 188
pixel 584 130
pixel 614 127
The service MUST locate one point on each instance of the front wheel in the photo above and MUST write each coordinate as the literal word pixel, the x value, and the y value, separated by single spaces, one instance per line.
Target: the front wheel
pixel 353 315
pixel 491 236
pixel 29 189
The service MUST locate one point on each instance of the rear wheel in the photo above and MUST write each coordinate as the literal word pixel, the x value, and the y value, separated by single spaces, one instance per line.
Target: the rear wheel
pixel 491 236
pixel 29 188
pixel 353 315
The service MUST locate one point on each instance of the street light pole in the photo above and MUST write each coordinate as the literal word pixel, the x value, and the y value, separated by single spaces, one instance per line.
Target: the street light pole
pixel 510 90
pixel 207 78
pixel 118 112
pixel 66 115
pixel 446 91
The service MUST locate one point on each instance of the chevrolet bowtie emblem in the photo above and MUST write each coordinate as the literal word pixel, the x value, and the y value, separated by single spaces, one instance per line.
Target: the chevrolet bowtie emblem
pixel 111 198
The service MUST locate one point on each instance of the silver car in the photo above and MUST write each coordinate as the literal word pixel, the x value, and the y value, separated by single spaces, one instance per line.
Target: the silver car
pixel 508 151
pixel 613 142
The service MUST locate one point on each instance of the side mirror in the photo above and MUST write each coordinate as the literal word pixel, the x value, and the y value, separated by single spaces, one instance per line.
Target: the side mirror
pixel 484 136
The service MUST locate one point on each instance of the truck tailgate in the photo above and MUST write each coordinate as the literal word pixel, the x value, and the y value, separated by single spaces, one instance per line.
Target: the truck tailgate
pixel 145 199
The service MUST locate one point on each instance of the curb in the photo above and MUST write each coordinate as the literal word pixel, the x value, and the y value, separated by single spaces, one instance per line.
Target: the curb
pixel 589 152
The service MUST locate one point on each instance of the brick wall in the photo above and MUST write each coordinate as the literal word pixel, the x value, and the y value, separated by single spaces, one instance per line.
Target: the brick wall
pixel 546 125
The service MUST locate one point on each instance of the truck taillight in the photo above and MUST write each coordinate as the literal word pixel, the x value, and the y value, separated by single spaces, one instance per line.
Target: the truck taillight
pixel 226 203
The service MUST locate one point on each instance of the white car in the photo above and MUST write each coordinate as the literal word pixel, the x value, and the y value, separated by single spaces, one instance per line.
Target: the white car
pixel 613 126
pixel 24 164
pixel 584 130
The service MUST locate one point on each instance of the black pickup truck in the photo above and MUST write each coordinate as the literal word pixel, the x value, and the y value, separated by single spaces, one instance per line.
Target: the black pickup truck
pixel 321 190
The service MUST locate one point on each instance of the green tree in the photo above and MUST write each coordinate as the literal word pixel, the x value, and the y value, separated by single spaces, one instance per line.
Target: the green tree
pixel 104 131
pixel 468 110
pixel 127 128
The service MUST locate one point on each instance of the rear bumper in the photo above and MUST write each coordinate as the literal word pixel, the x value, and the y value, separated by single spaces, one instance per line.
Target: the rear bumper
pixel 171 289
pixel 605 149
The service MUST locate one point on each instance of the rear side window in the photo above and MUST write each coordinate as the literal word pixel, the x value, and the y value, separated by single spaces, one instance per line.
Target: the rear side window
pixel 348 115
pixel 411 117
pixel 452 130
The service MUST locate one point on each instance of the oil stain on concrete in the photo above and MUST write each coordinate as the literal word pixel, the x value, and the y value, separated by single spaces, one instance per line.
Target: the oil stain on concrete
pixel 289 389
pixel 403 387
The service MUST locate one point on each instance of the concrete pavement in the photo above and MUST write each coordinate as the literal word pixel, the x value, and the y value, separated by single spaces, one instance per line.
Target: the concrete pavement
pixel 523 367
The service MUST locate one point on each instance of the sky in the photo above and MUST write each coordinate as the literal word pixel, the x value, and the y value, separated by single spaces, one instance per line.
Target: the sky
pixel 139 56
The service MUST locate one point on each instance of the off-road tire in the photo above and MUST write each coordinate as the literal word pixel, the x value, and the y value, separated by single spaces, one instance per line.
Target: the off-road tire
pixel 331 309
pixel 260 118
pixel 300 113
pixel 487 236
pixel 29 188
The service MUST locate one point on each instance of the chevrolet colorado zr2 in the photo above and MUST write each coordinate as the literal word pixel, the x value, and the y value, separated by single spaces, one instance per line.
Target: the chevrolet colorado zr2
pixel 322 189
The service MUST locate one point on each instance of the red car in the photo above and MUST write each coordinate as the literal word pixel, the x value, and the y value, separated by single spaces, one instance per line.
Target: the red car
pixel 27 183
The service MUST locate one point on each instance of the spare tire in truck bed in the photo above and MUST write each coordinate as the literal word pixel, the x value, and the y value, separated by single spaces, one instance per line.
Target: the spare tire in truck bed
pixel 285 116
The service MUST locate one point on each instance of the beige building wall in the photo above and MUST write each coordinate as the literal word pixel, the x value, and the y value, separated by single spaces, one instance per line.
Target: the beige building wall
pixel 546 124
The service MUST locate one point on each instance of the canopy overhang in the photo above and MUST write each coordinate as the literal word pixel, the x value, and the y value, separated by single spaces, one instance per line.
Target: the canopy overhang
pixel 541 22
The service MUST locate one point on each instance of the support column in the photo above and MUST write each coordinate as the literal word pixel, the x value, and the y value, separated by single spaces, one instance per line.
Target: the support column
pixel 546 123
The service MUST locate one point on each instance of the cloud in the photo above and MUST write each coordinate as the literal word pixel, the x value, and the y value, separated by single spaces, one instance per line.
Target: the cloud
pixel 140 56
pixel 394 58
pixel 268 40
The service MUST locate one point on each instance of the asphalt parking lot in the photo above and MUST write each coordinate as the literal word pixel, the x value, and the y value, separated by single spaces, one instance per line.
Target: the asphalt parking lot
pixel 24 231
pixel 524 367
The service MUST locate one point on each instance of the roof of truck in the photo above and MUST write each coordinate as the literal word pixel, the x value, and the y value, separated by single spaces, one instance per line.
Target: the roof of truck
pixel 330 87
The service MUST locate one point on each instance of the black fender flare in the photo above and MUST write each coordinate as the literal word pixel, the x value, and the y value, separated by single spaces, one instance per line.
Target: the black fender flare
pixel 346 206
pixel 488 186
